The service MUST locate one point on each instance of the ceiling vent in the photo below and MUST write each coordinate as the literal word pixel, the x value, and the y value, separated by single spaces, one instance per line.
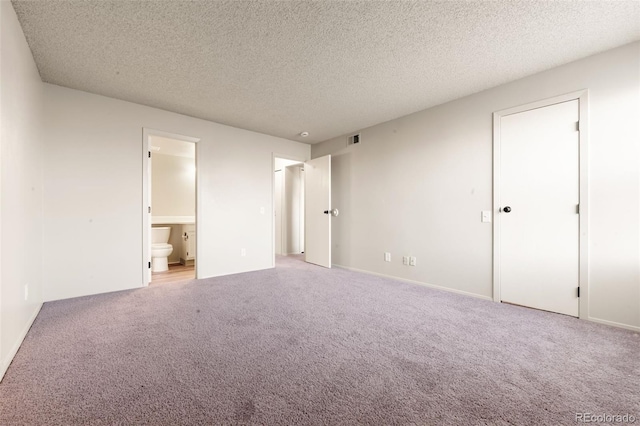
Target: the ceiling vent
pixel 354 139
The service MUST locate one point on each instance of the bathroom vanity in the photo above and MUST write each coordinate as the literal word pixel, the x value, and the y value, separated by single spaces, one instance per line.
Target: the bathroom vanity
pixel 188 253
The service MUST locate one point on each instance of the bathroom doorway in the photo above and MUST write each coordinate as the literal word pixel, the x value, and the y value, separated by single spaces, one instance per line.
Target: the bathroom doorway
pixel 169 207
pixel 288 206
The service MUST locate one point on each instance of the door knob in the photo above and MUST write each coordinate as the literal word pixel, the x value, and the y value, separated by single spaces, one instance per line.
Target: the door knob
pixel 332 212
pixel 506 209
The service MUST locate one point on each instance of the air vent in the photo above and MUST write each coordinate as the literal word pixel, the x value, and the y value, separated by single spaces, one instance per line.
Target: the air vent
pixel 354 139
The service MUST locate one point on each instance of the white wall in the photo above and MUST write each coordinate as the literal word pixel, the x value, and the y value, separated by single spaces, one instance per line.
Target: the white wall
pixel 21 182
pixel 173 185
pixel 93 192
pixel 420 183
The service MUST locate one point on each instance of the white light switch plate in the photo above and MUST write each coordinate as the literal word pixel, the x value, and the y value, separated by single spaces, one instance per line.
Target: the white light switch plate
pixel 486 216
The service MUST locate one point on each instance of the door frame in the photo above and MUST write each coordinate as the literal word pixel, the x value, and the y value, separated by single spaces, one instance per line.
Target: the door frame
pixel 275 155
pixel 146 198
pixel 582 96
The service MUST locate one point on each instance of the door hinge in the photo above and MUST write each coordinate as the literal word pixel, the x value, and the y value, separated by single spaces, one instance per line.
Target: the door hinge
pixel 578 125
pixel 149 265
pixel 577 208
pixel 149 209
pixel 578 291
pixel 149 154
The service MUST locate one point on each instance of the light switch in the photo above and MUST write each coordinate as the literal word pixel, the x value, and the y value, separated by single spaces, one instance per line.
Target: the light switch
pixel 486 216
pixel 261 210
pixel 387 257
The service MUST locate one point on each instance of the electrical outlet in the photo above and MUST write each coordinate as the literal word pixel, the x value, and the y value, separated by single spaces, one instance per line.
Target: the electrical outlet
pixel 387 257
pixel 405 260
pixel 243 252
pixel 26 292
pixel 412 261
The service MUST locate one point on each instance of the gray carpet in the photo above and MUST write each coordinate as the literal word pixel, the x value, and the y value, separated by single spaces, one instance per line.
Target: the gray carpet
pixel 305 345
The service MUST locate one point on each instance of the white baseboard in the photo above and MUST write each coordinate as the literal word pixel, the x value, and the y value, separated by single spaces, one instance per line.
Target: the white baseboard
pixel 7 361
pixel 437 287
pixel 614 324
pixel 465 293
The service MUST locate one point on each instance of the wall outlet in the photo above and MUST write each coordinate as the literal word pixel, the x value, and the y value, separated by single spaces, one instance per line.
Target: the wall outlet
pixel 243 252
pixel 26 292
pixel 412 261
pixel 387 257
pixel 405 260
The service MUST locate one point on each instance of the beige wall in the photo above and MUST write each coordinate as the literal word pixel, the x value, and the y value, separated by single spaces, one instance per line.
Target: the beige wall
pixel 422 180
pixel 173 185
pixel 21 182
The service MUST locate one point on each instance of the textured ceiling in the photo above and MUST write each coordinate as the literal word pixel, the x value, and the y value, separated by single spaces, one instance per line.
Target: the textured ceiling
pixel 326 67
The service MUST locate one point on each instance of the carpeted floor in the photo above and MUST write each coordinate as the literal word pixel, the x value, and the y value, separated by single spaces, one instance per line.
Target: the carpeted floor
pixel 305 345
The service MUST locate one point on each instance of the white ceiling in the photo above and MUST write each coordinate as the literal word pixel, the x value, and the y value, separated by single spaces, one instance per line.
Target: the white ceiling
pixel 326 67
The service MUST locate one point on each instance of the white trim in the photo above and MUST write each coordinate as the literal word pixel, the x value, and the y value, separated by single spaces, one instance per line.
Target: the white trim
pixel 163 134
pixel 614 324
pixel 543 103
pixel 172 220
pixel 146 221
pixel 583 101
pixel 433 286
pixel 14 350
pixel 275 155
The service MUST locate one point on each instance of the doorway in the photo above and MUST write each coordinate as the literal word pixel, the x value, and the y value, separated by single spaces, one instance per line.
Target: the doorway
pixel 169 207
pixel 540 233
pixel 288 206
pixel 303 228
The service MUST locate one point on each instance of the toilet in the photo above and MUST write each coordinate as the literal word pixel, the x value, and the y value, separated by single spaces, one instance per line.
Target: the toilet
pixel 160 248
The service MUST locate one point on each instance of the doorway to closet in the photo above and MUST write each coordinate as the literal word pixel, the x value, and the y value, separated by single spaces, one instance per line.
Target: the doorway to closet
pixel 288 208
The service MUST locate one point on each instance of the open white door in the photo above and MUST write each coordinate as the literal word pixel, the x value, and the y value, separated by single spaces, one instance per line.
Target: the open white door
pixel 317 211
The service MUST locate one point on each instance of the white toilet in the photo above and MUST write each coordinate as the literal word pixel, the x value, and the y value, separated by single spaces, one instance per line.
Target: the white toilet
pixel 160 249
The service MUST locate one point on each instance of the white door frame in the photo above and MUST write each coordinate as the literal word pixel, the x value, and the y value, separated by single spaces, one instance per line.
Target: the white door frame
pixel 146 194
pixel 275 155
pixel 583 98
